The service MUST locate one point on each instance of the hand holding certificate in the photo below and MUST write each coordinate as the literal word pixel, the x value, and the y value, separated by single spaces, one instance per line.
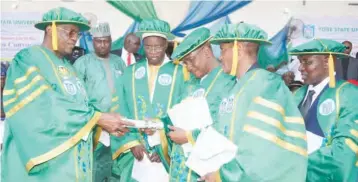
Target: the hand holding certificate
pixel 191 113
pixel 211 151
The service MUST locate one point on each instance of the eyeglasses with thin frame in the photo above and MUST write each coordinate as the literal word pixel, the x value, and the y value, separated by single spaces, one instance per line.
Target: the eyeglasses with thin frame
pixel 71 33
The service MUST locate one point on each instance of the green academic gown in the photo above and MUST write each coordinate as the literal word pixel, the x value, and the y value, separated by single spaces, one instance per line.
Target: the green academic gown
pixel 97 73
pixel 48 120
pixel 259 115
pixel 336 116
pixel 211 87
pixel 168 88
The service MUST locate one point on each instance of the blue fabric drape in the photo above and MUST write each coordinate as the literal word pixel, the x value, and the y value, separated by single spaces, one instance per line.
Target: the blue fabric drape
pixel 276 53
pixel 86 42
pixel 203 12
pixel 214 28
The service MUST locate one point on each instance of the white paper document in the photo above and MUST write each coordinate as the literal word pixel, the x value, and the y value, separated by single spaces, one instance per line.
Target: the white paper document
pixel 146 171
pixel 104 138
pixel 191 113
pixel 145 124
pixel 314 142
pixel 211 151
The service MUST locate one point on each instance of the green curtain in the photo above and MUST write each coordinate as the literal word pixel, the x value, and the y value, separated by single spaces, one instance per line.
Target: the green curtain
pixel 137 10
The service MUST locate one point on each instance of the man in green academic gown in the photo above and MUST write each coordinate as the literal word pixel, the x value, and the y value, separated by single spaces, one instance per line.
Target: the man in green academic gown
pixel 259 114
pixel 151 87
pixel 48 129
pixel 209 81
pixel 101 72
pixel 330 111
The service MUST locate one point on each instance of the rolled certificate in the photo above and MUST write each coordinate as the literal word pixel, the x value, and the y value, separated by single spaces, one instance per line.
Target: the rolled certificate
pixel 145 124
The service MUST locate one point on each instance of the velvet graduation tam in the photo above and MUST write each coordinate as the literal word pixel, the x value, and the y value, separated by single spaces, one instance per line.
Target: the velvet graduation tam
pixel 154 27
pixel 191 42
pixel 320 47
pixel 243 32
pixel 63 16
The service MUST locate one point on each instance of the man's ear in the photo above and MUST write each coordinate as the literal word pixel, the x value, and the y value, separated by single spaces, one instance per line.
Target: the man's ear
pixel 48 30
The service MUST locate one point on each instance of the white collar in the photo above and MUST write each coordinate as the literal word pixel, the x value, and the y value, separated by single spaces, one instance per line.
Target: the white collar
pixel 125 51
pixel 319 87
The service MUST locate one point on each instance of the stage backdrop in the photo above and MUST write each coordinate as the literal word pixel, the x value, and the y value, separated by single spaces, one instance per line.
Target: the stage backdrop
pixel 18 32
pixel 337 28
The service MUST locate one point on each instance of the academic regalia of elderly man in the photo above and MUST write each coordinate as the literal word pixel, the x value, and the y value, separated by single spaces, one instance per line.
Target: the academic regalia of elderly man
pixel 101 72
pixel 49 122
pixel 151 87
pixel 258 115
pixel 330 112
pixel 208 81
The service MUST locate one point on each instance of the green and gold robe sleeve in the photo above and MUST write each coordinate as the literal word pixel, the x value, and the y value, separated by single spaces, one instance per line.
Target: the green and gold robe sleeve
pixel 47 114
pixel 337 159
pixel 260 116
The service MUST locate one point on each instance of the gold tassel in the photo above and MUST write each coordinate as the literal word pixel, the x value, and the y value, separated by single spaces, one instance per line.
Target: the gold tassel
pixel 175 46
pixel 235 59
pixel 54 36
pixel 186 73
pixel 332 78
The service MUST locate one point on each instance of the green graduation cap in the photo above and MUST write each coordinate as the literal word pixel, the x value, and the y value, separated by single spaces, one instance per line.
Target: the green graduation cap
pixel 191 42
pixel 322 47
pixel 154 27
pixel 241 32
pixel 61 16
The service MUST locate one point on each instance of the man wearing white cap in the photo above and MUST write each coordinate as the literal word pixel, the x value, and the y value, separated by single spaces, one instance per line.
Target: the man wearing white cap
pixel 101 72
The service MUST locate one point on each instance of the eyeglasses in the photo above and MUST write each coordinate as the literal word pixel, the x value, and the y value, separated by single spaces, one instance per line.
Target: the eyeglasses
pixel 306 62
pixel 71 33
pixel 154 48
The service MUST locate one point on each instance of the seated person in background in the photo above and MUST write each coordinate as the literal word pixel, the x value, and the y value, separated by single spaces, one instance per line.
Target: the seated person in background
pixel 293 86
pixel 288 77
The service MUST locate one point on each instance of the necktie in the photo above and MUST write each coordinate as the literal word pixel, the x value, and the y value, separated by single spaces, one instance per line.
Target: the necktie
pixel 129 59
pixel 307 103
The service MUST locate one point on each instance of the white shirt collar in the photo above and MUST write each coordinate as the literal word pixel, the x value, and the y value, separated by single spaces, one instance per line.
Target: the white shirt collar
pixel 318 88
pixel 125 54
